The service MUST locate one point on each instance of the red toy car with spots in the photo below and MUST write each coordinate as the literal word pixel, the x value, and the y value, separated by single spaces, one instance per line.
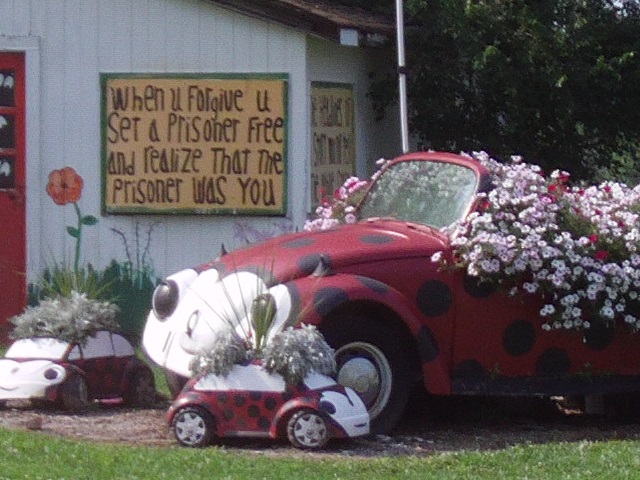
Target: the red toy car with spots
pixel 393 316
pixel 249 401
pixel 71 375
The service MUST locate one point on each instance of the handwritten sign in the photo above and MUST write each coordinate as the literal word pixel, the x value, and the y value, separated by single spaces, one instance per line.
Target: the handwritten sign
pixel 194 144
pixel 333 157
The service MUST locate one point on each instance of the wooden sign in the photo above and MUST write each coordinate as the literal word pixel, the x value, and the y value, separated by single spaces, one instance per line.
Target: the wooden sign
pixel 194 144
pixel 333 157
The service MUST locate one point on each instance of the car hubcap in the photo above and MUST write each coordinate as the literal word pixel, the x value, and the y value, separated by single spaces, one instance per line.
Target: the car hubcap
pixel 310 430
pixel 190 428
pixel 365 369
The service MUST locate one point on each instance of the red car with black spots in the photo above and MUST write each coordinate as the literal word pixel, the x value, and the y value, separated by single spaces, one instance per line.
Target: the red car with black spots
pixel 251 402
pixel 393 315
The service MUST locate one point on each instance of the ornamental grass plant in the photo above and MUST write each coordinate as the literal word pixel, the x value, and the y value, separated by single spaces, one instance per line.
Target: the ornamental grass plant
pixel 71 319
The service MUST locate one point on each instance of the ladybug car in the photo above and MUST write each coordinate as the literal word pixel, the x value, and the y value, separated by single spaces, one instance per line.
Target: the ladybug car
pixel 394 316
pixel 71 375
pixel 249 401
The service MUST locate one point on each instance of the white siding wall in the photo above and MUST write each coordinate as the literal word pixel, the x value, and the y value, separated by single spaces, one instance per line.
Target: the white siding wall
pixel 335 63
pixel 70 42
pixel 79 39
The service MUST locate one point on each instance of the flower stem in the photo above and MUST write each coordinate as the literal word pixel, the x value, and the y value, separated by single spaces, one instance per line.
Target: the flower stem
pixel 77 253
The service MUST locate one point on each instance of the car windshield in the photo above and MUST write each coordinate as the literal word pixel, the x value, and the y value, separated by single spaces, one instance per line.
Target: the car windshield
pixel 428 192
pixel 44 348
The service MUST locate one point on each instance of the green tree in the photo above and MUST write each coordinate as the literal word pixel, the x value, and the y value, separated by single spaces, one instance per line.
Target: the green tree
pixel 557 81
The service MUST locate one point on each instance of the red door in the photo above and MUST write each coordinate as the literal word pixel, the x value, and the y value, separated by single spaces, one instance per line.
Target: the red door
pixel 13 289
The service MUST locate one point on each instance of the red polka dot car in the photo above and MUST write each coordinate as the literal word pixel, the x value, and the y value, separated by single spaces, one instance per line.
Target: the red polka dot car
pixel 71 375
pixel 394 316
pixel 249 401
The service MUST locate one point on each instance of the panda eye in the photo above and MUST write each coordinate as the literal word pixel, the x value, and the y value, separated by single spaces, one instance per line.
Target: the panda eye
pixel 192 322
pixel 165 299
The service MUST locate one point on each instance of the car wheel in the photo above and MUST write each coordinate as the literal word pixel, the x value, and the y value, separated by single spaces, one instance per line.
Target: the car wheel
pixel 193 427
pixel 142 389
pixel 74 393
pixel 307 429
pixel 175 382
pixel 374 361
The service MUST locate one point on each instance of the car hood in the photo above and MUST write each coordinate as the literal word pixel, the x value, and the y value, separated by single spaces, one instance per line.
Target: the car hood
pixel 28 378
pixel 219 295
pixel 287 257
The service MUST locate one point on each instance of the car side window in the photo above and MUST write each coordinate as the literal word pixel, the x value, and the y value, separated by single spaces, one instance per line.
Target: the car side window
pixel 121 346
pixel 75 353
pixel 98 346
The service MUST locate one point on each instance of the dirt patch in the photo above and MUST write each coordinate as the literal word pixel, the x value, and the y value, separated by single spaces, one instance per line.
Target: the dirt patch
pixel 453 425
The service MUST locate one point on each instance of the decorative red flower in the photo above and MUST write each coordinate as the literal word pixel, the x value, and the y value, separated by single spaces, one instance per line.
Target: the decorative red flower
pixel 65 186
pixel 601 255
pixel 593 238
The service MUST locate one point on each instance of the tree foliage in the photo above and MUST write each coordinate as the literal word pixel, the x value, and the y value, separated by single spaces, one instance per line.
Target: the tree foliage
pixel 557 81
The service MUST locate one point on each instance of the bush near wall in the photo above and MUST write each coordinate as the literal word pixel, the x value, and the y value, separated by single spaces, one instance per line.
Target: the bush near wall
pixel 128 288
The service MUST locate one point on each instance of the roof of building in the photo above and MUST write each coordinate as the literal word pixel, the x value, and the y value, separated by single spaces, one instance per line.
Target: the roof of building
pixel 324 18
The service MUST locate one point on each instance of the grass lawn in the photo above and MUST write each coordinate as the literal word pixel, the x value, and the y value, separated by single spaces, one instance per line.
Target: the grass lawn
pixel 36 456
pixel 32 455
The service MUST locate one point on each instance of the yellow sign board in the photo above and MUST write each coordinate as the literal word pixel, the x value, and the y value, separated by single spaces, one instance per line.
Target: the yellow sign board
pixel 333 142
pixel 194 144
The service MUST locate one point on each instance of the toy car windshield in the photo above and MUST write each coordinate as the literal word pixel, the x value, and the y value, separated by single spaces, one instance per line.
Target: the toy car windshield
pixel 44 348
pixel 430 193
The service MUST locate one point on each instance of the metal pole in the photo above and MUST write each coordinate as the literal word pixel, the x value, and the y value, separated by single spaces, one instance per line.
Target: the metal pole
pixel 402 78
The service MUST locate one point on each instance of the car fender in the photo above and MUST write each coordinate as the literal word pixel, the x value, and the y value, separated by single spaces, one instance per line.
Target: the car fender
pixel 317 298
pixel 53 392
pixel 278 425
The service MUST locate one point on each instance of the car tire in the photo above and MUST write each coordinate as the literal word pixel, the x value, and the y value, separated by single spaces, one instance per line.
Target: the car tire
pixel 374 360
pixel 307 429
pixel 74 394
pixel 142 389
pixel 175 382
pixel 193 427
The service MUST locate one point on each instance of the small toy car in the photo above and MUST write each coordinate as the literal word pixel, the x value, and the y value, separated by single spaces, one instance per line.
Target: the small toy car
pixel 250 401
pixel 71 374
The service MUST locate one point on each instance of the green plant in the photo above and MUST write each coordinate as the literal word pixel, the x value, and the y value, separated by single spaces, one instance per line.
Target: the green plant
pixel 228 350
pixel 131 291
pixel 132 282
pixel 296 352
pixel 60 281
pixel 71 318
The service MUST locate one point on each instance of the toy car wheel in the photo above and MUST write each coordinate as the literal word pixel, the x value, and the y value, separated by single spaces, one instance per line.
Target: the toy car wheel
pixel 74 393
pixel 193 427
pixel 142 389
pixel 375 362
pixel 307 429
